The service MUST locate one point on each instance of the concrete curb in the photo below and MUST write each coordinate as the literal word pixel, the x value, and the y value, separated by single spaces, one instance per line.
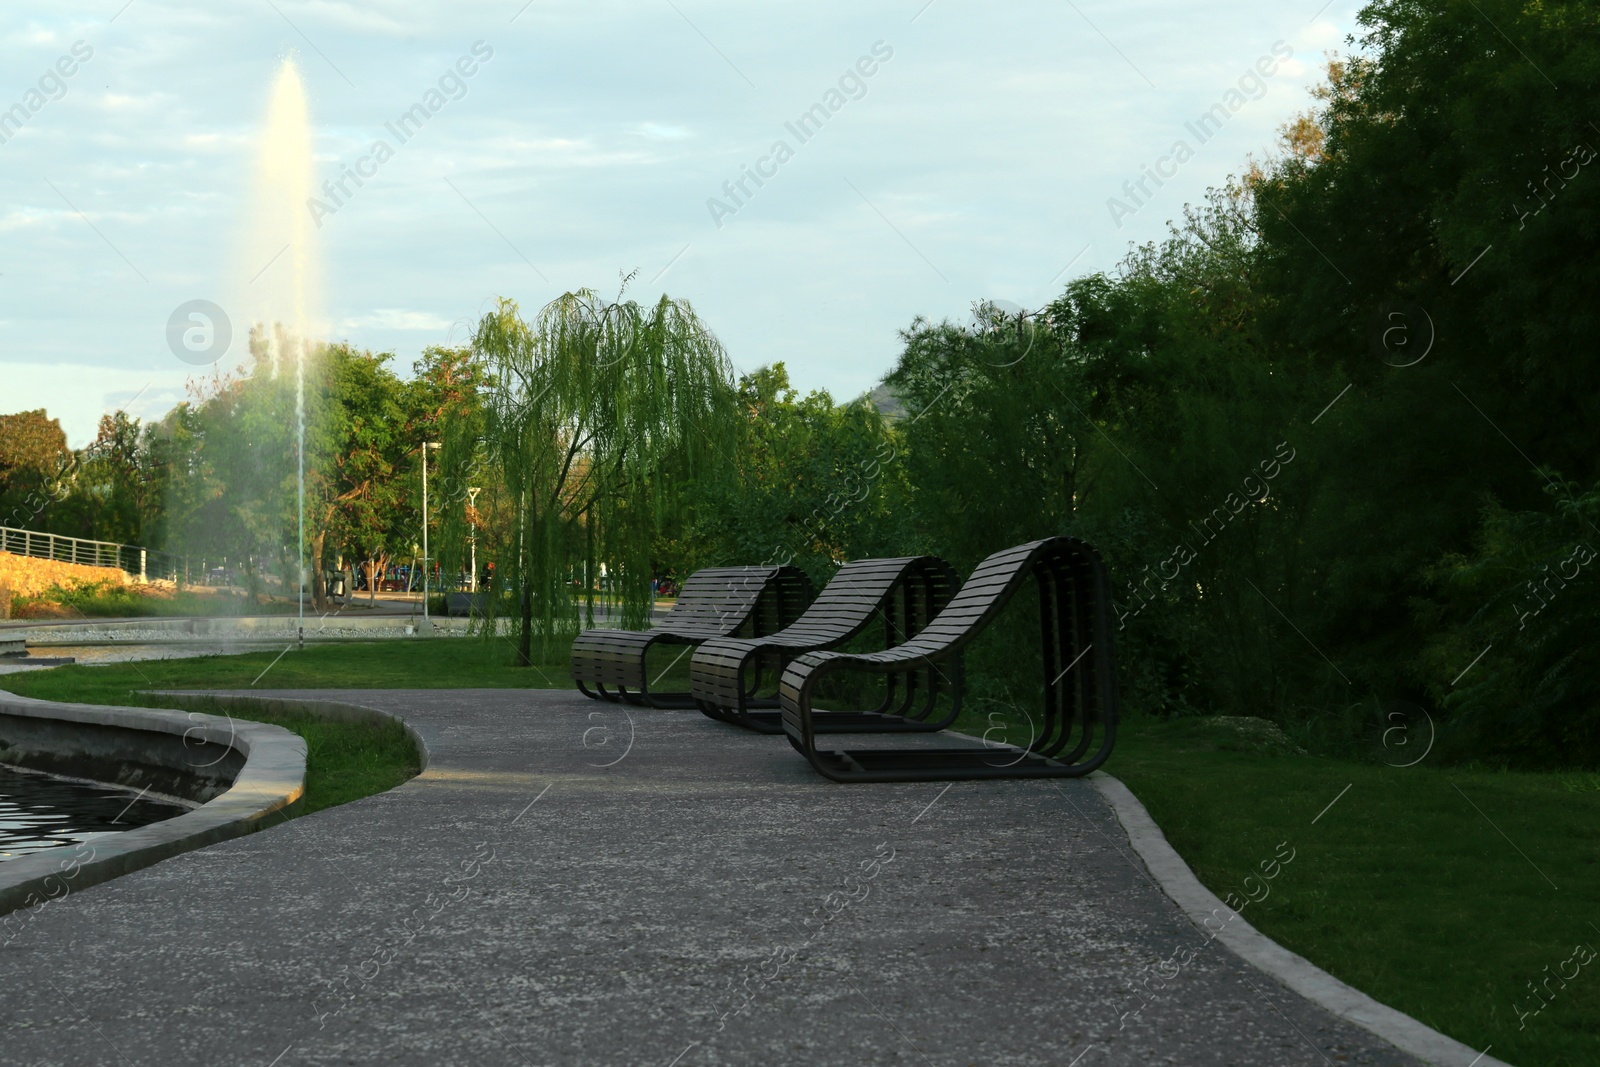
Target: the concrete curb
pixel 1260 951
pixel 246 640
pixel 268 629
pixel 272 780
pixel 273 626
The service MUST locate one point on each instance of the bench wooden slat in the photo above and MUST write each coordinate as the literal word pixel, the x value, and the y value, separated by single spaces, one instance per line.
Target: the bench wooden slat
pixel 902 593
pixel 1081 707
pixel 714 602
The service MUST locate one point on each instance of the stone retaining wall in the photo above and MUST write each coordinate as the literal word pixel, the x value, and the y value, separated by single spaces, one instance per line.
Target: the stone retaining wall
pixel 26 576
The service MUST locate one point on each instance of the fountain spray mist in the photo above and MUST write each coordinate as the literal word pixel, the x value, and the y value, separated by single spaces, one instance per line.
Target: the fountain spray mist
pixel 282 238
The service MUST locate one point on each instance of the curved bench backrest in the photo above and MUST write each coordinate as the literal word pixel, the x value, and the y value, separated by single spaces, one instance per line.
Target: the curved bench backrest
pixel 717 601
pixel 1081 700
pixel 986 593
pixel 856 595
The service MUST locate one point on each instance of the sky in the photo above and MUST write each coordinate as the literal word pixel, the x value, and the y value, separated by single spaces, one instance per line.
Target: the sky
pixel 957 151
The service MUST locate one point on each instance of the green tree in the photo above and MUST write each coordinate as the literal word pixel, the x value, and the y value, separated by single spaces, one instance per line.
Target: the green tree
pixel 237 487
pixel 360 489
pixel 1520 609
pixel 1442 193
pixel 444 398
pixel 583 410
pixel 811 482
pixel 117 487
pixel 33 461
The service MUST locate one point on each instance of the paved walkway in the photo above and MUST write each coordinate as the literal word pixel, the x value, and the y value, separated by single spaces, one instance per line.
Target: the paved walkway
pixel 703 899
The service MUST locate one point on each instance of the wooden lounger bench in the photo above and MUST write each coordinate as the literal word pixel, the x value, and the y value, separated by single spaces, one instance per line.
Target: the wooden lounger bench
pixel 905 592
pixel 1080 686
pixel 716 602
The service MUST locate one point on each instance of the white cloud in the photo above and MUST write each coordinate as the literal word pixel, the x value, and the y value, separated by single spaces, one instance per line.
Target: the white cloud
pixel 350 17
pixel 590 142
pixel 393 319
pixel 133 101
pixel 18 218
pixel 660 132
pixel 78 395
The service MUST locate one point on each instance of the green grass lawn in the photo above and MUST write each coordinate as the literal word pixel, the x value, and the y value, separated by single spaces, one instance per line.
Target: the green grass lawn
pixel 1440 891
pixel 345 761
pixel 393 663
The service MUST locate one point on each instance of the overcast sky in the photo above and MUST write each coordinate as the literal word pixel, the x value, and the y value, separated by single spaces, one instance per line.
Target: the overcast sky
pixel 974 162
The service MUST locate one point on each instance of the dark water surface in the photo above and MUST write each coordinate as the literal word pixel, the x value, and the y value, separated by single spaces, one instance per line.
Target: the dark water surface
pixel 41 811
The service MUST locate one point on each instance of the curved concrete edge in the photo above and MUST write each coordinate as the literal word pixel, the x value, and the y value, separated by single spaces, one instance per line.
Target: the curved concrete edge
pixel 217 626
pixel 272 780
pixel 337 710
pixel 1255 948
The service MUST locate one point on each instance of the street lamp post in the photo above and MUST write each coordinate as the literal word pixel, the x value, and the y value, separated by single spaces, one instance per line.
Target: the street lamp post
pixel 427 623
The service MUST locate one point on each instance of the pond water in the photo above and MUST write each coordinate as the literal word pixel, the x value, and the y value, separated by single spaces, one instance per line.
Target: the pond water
pixel 41 811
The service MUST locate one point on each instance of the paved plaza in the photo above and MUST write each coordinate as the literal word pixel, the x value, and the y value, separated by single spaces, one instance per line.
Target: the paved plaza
pixel 572 883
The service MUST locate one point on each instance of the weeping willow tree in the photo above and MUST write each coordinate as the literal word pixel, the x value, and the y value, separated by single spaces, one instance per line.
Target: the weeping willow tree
pixel 584 409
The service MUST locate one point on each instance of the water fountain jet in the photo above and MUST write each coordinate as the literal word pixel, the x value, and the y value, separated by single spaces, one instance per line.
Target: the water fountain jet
pixel 282 228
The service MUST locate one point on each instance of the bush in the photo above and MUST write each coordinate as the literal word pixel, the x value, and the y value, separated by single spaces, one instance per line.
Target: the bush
pixel 1513 666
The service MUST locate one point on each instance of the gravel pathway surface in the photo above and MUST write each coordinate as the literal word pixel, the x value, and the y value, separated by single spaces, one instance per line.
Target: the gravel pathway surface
pixel 572 883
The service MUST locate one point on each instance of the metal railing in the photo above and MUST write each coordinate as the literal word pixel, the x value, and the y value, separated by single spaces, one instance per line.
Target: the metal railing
pixel 141 563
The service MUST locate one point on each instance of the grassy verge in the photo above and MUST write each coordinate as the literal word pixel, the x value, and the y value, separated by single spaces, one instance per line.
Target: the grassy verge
pixel 345 761
pixel 395 663
pixel 1442 892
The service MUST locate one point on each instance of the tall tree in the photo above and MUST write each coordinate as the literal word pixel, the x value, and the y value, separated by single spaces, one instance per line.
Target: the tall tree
pixel 584 409
pixel 33 458
pixel 361 488
pixel 812 483
pixel 118 486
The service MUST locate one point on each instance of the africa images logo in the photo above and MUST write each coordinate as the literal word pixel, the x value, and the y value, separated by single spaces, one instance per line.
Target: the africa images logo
pixel 199 332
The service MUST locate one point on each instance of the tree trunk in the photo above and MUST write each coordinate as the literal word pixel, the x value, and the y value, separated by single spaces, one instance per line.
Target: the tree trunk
pixel 525 640
pixel 525 591
pixel 319 588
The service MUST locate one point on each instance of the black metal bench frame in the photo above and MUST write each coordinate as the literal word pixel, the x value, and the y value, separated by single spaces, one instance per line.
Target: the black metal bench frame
pixel 905 592
pixel 1080 685
pixel 715 602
